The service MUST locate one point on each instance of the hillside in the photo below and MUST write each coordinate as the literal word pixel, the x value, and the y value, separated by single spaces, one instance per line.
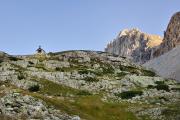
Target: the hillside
pixel 91 85
pixel 167 65
pixel 135 45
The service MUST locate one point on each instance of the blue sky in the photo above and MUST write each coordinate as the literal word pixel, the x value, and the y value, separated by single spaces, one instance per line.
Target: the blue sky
pixel 59 25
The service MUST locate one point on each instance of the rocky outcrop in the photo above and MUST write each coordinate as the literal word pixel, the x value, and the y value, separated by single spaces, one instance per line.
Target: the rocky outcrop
pixel 171 36
pixel 135 45
pixel 20 107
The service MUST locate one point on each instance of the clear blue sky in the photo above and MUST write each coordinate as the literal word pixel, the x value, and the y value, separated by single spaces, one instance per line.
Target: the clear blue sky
pixel 59 25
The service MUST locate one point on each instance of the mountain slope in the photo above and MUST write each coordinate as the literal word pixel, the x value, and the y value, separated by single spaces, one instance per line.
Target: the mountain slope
pixel 87 85
pixel 168 64
pixel 135 45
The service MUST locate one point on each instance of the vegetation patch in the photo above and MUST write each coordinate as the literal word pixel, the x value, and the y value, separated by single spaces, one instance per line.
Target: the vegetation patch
pixel 172 110
pixel 84 92
pixel 150 86
pixel 159 82
pixel 31 63
pixel 129 94
pixel 107 68
pixel 148 73
pixel 121 74
pixel 160 85
pixel 34 88
pixel 55 89
pixel 21 76
pixel 91 79
pixel 14 58
pixel 59 69
pixel 176 89
pixel 40 66
pixel 90 108
pixel 1 61
pixel 84 71
pixel 75 61
pixel 131 69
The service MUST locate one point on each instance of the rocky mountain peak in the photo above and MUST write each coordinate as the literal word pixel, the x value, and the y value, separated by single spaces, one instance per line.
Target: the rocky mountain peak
pixel 171 35
pixel 128 31
pixel 134 44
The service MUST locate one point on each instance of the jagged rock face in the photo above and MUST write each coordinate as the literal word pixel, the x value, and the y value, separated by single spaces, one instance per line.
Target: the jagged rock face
pixel 135 45
pixel 171 35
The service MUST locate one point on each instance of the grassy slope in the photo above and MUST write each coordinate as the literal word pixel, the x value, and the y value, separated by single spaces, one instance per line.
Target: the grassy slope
pixel 89 107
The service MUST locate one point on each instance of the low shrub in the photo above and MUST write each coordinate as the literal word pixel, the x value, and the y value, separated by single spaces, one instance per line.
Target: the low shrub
pixel 91 79
pixel 59 69
pixel 176 89
pixel 1 61
pixel 31 63
pixel 34 88
pixel 108 70
pixel 129 94
pixel 162 87
pixel 21 76
pixel 83 71
pixel 148 73
pixel 150 87
pixel 14 58
pixel 121 74
pixel 159 82
pixel 131 69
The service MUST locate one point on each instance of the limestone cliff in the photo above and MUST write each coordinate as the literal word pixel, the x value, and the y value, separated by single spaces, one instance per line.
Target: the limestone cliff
pixel 171 35
pixel 168 53
pixel 135 45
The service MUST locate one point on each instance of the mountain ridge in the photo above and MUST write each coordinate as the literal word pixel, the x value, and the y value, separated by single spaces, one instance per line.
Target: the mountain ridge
pixel 134 44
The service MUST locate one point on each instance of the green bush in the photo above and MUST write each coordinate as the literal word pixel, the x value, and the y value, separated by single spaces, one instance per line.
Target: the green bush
pixel 128 94
pixel 84 92
pixel 150 87
pixel 176 89
pixel 91 79
pixel 159 82
pixel 34 88
pixel 59 69
pixel 148 73
pixel 121 74
pixel 83 71
pixel 14 58
pixel 1 61
pixel 162 87
pixel 21 76
pixel 31 63
pixel 108 70
pixel 131 69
